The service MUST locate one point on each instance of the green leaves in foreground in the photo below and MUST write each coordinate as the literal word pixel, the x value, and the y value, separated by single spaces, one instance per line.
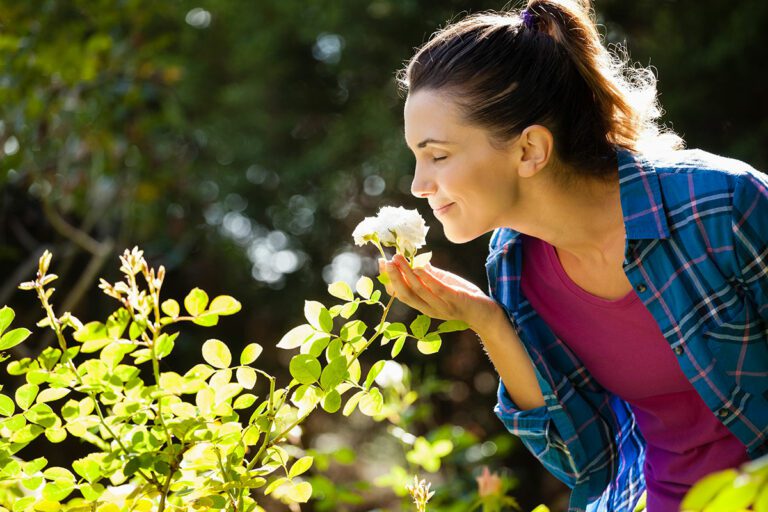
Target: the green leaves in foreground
pixel 11 338
pixel 731 490
pixel 202 312
pixel 169 434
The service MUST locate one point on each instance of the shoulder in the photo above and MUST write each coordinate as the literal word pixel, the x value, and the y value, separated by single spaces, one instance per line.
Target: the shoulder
pixel 698 166
pixel 697 175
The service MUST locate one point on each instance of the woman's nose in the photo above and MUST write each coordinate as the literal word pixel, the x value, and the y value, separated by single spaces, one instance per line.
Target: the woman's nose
pixel 422 185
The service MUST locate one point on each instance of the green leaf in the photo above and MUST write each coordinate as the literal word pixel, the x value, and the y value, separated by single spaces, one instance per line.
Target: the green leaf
pixel 420 326
pixel 23 504
pixel 7 407
pixel 305 368
pixel 452 325
pixel 246 377
pixel 383 278
pixel 737 496
pixel 394 330
pixel 165 344
pixel 43 415
pixel 115 352
pixel 224 305
pixel 373 373
pixel 170 307
pixel 250 353
pixel 88 467
pixel 316 345
pixel 32 483
pixel 353 330
pixel 334 349
pixel 398 345
pixel 296 337
pixel 25 395
pixel 196 301
pixel 442 447
pixel 317 316
pixel 348 309
pixel 300 467
pixel 372 402
pixel 92 492
pixel 217 354
pixel 6 317
pixel 430 344
pixel 14 337
pixel 52 394
pixel 206 320
pixel 341 290
pixel 56 434
pixel 244 401
pixel 58 490
pixel 277 482
pixel 26 434
pixel 705 490
pixel 364 287
pixel 349 407
pixel 334 374
pixel 761 502
pixel 332 401
pixel 301 492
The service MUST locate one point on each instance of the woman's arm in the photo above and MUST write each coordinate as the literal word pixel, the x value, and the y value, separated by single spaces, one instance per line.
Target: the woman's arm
pixel 440 294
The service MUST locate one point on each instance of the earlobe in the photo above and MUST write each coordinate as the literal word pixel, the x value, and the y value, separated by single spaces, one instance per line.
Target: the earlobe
pixel 536 144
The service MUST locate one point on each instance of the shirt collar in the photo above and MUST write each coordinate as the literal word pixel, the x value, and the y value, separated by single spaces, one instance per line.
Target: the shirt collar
pixel 641 200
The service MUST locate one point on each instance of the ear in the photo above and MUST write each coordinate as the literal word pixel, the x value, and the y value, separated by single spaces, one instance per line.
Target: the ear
pixel 536 143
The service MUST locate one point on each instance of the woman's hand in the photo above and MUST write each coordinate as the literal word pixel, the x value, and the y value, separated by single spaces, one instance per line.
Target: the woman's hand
pixel 437 293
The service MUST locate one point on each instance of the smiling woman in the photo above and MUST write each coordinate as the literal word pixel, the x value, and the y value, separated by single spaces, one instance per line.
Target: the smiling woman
pixel 632 345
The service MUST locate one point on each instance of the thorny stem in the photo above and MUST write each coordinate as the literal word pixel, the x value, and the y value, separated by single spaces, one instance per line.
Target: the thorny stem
pixel 171 470
pixel 155 328
pixel 225 476
pixel 271 415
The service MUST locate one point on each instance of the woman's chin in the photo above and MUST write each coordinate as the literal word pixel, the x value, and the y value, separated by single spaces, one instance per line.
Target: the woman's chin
pixel 457 236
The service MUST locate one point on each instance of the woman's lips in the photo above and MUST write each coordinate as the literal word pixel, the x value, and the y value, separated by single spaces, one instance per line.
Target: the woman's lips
pixel 442 209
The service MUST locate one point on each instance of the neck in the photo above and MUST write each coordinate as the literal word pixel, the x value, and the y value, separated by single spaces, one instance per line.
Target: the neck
pixel 584 219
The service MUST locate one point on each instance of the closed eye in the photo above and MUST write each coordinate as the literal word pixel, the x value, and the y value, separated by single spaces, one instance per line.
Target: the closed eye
pixel 438 158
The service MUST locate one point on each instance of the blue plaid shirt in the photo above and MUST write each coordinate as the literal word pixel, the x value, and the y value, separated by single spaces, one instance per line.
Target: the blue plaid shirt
pixel 697 255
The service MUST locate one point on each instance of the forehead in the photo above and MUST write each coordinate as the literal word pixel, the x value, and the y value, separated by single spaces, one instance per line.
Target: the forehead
pixel 430 114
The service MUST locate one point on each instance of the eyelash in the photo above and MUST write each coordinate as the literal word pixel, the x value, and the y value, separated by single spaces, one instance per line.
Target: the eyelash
pixel 437 159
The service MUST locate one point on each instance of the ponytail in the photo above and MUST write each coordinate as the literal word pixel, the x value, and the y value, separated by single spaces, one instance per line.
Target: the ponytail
pixel 545 65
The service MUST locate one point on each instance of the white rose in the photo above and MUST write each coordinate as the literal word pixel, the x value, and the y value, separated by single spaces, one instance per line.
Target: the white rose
pixel 393 226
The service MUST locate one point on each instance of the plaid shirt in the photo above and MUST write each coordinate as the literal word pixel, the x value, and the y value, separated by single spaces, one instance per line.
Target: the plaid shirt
pixel 697 255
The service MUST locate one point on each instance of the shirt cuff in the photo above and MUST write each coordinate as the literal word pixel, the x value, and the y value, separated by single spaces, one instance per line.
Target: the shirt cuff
pixel 531 422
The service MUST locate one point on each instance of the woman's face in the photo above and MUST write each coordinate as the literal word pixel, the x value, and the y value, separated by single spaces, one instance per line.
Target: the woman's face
pixel 470 185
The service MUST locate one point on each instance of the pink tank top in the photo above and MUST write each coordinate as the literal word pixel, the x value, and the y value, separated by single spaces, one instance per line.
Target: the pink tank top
pixel 622 347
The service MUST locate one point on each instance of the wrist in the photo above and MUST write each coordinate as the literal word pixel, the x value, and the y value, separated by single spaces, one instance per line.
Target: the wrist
pixel 487 319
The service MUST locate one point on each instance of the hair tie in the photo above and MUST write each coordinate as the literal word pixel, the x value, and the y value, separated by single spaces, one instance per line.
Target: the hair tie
pixel 528 20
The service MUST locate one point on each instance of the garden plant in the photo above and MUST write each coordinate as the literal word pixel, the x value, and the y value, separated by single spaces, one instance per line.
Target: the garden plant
pixel 213 438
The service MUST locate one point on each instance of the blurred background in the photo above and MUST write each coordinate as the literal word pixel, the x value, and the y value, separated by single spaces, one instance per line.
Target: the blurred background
pixel 239 144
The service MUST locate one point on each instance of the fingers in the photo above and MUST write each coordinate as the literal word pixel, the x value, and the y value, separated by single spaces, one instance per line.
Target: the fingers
pixel 406 286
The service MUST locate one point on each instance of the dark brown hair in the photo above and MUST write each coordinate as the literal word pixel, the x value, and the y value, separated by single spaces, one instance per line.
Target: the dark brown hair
pixel 546 65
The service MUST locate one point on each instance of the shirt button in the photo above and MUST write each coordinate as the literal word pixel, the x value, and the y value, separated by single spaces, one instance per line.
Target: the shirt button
pixel 641 288
pixel 678 350
pixel 723 412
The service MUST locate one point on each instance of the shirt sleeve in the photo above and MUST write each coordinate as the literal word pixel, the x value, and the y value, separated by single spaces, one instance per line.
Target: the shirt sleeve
pixel 537 432
pixel 750 231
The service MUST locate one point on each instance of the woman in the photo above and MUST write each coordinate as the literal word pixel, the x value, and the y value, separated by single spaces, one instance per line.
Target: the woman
pixel 628 313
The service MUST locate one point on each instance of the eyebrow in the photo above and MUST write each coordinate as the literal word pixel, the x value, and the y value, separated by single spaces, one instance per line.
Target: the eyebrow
pixel 424 143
